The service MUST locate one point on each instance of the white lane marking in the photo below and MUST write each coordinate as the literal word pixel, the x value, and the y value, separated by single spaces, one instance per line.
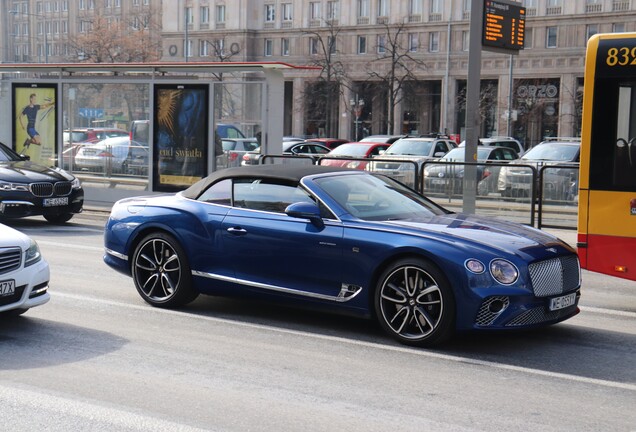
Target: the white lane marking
pixel 70 245
pixel 116 418
pixel 609 311
pixel 407 350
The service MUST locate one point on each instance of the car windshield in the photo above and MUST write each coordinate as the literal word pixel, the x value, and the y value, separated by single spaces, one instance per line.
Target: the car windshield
pixel 6 154
pixel 410 147
pixel 458 154
pixel 349 150
pixel 377 198
pixel 552 152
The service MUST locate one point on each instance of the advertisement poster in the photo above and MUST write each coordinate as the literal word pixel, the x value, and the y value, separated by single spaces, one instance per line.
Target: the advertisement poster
pixel 180 136
pixel 34 128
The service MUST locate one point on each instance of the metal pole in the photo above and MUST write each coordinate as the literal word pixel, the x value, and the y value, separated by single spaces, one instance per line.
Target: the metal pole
pixel 186 45
pixel 444 116
pixel 472 104
pixel 46 43
pixel 508 131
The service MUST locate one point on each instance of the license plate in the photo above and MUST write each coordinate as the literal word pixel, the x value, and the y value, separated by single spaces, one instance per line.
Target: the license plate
pixel 54 202
pixel 7 288
pixel 562 302
pixel 438 181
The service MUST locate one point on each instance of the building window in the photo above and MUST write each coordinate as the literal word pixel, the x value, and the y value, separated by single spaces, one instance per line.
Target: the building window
pixel 530 3
pixel 436 6
pixel 287 11
pixel 189 16
pixel 331 42
pixel 205 14
pixel 465 40
pixel 415 7
pixel 270 13
pixel 333 10
pixel 383 8
pixel 618 28
pixel 187 48
pixel 591 30
pixel 362 44
pixel 554 3
pixel 363 8
pixel 284 46
pixel 551 37
pixel 314 11
pixel 381 44
pixel 220 14
pixel 433 42
pixel 313 46
pixel 269 47
pixel 203 48
pixel 414 42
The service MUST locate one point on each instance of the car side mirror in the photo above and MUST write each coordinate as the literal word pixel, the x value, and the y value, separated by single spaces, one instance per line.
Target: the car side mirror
pixel 306 210
pixel 439 154
pixel 25 157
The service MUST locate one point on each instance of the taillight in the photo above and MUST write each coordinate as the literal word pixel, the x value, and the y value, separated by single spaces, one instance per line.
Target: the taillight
pixel 233 156
pixel 104 153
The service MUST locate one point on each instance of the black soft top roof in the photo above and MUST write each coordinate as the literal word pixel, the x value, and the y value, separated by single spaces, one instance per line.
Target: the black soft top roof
pixel 289 173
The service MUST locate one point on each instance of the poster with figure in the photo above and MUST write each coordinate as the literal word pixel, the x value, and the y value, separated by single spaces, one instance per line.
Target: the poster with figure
pixel 34 128
pixel 180 136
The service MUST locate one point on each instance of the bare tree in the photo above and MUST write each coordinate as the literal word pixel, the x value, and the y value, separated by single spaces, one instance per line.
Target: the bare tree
pixel 136 39
pixel 324 93
pixel 396 67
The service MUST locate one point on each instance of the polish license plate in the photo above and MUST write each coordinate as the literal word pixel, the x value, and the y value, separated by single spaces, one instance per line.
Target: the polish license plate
pixel 562 302
pixel 438 181
pixel 54 202
pixel 7 288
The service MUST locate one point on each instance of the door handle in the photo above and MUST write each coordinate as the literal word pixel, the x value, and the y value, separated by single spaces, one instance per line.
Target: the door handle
pixel 236 230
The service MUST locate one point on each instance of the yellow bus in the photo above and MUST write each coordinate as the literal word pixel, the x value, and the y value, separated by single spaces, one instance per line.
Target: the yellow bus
pixel 607 190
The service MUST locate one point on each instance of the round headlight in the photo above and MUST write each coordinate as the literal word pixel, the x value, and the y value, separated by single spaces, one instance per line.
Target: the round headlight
pixel 475 266
pixel 504 271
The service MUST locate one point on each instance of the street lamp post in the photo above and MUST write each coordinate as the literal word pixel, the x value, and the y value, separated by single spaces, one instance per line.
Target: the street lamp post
pixel 46 38
pixel 357 105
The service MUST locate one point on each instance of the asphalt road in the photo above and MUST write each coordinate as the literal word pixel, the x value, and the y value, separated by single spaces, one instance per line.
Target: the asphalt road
pixel 98 358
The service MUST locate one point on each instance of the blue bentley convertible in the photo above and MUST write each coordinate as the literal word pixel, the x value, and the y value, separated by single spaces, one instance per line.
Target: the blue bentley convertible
pixel 348 240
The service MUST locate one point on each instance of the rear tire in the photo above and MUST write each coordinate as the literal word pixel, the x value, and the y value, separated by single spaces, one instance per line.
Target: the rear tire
pixel 414 303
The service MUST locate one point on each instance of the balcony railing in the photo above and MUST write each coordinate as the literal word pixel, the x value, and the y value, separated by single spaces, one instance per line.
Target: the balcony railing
pixel 382 20
pixel 466 15
pixel 435 17
pixel 554 10
pixel 593 8
pixel 415 18
pixel 363 20
pixel 620 5
pixel 531 12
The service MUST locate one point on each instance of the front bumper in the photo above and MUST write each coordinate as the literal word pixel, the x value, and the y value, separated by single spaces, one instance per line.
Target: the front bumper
pixel 17 205
pixel 31 287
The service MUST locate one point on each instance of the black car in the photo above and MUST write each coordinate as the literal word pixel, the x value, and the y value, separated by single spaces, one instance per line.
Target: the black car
pixel 30 189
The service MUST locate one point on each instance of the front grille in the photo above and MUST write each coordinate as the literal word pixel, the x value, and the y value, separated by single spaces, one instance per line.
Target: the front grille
pixel 486 316
pixel 555 276
pixel 10 260
pixel 63 188
pixel 46 189
pixel 41 189
pixel 539 315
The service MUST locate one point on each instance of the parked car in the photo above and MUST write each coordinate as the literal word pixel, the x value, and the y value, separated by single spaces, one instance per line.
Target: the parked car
pixel 332 143
pixel 354 150
pixel 229 131
pixel 303 148
pixel 30 189
pixel 76 138
pixel 406 156
pixel 118 155
pixel 24 273
pixel 448 178
pixel 500 141
pixel 347 241
pixel 390 139
pixel 234 149
pixel 558 183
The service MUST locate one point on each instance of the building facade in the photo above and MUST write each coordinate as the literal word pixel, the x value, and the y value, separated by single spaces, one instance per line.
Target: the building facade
pixel 381 66
pixel 538 95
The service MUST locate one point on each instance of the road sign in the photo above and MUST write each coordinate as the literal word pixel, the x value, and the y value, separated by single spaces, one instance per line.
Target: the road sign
pixel 91 112
pixel 504 26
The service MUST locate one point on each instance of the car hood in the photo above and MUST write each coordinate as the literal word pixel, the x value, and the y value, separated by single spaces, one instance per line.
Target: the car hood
pixel 487 233
pixel 29 172
pixel 12 238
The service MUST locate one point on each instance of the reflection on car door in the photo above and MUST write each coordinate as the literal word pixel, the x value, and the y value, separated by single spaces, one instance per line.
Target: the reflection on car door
pixel 280 252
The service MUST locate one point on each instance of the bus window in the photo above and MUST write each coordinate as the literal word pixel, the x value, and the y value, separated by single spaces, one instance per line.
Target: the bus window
pixel 624 174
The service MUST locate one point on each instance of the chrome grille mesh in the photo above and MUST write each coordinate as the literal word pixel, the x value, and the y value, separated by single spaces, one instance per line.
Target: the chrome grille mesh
pixel 485 316
pixel 537 316
pixel 555 276
pixel 10 260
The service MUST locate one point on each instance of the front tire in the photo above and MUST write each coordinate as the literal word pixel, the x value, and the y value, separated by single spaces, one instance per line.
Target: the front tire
pixel 414 303
pixel 161 272
pixel 58 219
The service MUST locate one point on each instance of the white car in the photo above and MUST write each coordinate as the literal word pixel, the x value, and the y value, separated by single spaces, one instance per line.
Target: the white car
pixel 24 273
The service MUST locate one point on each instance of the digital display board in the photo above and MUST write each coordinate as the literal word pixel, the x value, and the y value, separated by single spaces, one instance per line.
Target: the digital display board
pixel 504 25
